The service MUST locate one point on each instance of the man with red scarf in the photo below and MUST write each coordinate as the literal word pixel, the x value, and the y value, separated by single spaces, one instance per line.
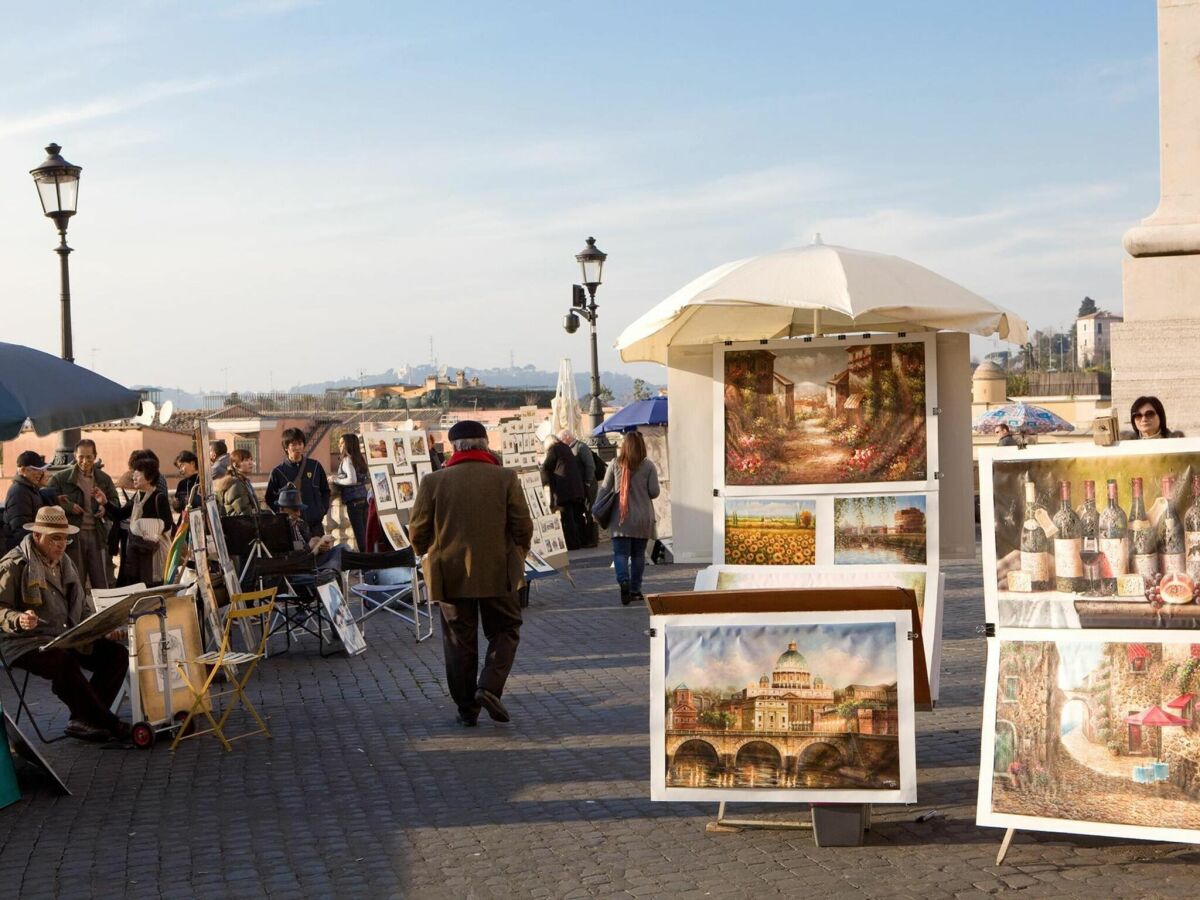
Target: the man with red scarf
pixel 472 524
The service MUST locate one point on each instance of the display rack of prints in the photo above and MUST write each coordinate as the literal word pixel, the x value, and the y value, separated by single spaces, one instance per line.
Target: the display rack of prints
pixel 928 592
pixel 783 707
pixel 397 458
pixel 520 446
pixel 1092 732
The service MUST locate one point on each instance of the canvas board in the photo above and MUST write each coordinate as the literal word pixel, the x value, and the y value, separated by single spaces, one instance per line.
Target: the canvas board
pixel 232 580
pixel 417 447
pixel 794 417
pixel 422 469
pixel 395 532
pixel 378 447
pixel 844 677
pixel 1054 701
pixel 928 592
pixel 381 485
pixel 113 617
pixel 338 611
pixel 1120 600
pixel 25 749
pixel 184 642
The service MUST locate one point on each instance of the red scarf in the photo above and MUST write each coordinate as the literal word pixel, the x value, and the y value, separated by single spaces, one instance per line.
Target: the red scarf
pixel 483 456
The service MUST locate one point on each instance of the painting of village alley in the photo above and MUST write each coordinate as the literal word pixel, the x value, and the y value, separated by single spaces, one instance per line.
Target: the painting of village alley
pixel 832 415
pixel 1095 732
pixel 782 706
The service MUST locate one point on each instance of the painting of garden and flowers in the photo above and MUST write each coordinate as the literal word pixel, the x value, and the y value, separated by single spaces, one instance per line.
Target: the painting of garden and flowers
pixel 849 413
pixel 770 532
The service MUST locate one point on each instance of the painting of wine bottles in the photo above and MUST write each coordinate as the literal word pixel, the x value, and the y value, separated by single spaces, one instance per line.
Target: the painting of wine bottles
pixel 1080 536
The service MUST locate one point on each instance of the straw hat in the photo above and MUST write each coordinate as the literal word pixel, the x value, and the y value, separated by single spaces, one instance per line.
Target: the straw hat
pixel 51 520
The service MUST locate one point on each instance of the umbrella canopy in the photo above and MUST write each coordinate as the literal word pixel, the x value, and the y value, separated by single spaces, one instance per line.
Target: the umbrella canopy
pixel 564 408
pixel 1021 417
pixel 640 412
pixel 808 290
pixel 55 394
pixel 1155 715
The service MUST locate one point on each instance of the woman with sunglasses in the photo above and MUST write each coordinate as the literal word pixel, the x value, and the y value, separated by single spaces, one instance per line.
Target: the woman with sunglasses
pixel 1149 420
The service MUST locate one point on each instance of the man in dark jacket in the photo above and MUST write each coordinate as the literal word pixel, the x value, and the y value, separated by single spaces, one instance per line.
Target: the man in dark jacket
pixel 562 472
pixel 472 524
pixel 90 499
pixel 587 468
pixel 25 496
pixel 314 485
pixel 40 598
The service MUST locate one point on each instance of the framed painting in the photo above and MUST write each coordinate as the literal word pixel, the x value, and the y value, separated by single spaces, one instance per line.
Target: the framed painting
pixel 928 591
pixel 1087 732
pixel 381 485
pixel 394 531
pixel 338 612
pixel 418 447
pixel 422 469
pixel 404 490
pixel 813 416
pixel 399 459
pixel 1081 536
pixel 783 707
pixel 378 447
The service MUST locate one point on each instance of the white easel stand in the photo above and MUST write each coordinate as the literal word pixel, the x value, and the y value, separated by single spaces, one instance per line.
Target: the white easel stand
pixel 832 824
pixel 1008 836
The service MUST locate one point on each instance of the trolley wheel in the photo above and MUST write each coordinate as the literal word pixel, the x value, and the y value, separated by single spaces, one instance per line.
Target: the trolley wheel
pixel 180 717
pixel 142 735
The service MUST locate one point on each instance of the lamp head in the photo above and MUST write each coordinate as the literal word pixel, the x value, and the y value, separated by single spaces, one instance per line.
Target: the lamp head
pixel 591 260
pixel 58 186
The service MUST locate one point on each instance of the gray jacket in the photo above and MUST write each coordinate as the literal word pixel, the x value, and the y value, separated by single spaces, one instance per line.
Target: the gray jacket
pixel 643 487
pixel 57 610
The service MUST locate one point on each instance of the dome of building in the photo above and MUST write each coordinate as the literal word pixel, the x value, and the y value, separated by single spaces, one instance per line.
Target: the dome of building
pixel 791 660
pixel 988 371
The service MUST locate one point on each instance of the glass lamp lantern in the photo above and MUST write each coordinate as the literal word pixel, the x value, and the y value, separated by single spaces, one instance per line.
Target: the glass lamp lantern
pixel 591 261
pixel 58 186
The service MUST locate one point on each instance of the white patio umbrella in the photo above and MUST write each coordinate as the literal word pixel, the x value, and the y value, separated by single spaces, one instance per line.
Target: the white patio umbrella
pixel 810 290
pixel 565 411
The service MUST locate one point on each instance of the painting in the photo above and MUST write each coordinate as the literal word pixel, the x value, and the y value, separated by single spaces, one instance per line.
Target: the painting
pixel 338 613
pixel 422 469
pixel 548 535
pixel 394 531
pixel 826 413
pixel 399 453
pixel 784 707
pixel 770 532
pixel 885 529
pixel 1089 733
pixel 404 489
pixel 377 445
pixel 381 483
pixel 535 493
pixel 418 447
pixel 1082 536
pixel 927 590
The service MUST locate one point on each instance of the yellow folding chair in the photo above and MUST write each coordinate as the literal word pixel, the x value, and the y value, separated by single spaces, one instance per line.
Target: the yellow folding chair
pixel 238 667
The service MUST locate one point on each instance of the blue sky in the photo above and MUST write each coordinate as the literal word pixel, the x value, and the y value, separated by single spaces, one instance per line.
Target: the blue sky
pixel 350 180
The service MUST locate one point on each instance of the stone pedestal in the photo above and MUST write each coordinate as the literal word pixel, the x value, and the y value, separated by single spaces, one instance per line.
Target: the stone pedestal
pixel 1153 351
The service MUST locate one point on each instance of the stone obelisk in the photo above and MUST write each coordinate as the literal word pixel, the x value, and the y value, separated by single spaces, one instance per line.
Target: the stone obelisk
pixel 1157 348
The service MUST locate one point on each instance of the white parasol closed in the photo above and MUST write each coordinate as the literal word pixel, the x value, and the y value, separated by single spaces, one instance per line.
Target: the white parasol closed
pixel 565 411
pixel 808 290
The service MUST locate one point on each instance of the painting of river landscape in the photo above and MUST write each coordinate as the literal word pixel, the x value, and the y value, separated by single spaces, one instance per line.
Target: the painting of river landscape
pixel 810 706
pixel 824 415
pixel 888 529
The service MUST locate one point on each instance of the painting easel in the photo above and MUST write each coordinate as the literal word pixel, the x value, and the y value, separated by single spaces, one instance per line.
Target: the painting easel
pixel 1003 852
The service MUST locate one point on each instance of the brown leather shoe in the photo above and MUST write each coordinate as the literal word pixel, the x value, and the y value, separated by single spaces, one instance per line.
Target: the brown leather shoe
pixel 81 730
pixel 492 704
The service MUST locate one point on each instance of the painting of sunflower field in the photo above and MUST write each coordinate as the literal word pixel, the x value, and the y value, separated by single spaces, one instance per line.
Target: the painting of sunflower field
pixel 770 532
pixel 849 413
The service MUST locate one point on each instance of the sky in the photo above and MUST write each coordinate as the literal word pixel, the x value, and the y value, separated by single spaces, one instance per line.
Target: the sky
pixel 736 655
pixel 283 191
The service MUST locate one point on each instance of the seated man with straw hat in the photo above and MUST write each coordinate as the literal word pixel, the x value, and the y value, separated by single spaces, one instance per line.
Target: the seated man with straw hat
pixel 41 597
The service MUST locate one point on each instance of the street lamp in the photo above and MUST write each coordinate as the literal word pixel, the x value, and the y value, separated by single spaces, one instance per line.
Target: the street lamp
pixel 58 188
pixel 591 262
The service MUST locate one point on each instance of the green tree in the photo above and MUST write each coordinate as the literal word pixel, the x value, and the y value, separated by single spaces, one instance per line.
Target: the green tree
pixel 606 394
pixel 1087 307
pixel 640 391
pixel 714 719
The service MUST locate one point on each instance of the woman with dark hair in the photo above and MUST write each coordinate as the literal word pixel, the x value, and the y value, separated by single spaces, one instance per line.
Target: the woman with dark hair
pixel 145 545
pixel 633 479
pixel 351 477
pixel 234 491
pixel 1149 420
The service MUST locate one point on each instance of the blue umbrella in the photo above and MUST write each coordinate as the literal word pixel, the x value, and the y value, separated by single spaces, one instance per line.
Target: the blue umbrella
pixel 55 394
pixel 640 412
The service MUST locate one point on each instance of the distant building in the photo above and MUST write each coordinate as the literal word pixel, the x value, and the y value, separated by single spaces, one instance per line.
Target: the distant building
pixel 909 521
pixel 1093 338
pixel 989 385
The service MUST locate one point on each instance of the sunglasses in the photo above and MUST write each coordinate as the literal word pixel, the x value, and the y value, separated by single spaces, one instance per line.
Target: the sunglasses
pixel 1147 414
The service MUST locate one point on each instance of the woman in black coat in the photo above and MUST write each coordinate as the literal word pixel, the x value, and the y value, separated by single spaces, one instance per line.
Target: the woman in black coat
pixel 138 564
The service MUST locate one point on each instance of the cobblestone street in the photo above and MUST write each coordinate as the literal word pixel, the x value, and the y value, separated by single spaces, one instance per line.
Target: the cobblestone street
pixel 369 789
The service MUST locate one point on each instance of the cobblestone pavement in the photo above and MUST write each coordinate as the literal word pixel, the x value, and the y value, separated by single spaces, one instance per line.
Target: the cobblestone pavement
pixel 369 789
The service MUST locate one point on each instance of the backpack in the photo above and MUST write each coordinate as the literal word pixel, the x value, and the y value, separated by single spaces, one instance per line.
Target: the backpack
pixel 601 465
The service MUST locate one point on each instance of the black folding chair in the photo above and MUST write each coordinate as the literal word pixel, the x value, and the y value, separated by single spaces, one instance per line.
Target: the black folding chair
pixel 22 704
pixel 298 607
pixel 390 582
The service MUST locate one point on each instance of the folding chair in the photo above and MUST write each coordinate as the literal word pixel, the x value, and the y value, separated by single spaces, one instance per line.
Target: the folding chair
pixel 22 704
pixel 298 608
pixel 391 582
pixel 237 666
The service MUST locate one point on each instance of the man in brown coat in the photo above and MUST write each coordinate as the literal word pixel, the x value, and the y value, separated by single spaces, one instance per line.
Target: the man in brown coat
pixel 471 523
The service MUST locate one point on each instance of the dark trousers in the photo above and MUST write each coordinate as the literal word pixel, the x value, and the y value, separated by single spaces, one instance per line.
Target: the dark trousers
pixel 357 511
pixel 501 617
pixel 91 558
pixel 88 701
pixel 571 513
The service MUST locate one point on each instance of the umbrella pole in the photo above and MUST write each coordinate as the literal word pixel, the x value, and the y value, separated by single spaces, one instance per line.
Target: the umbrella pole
pixel 816 323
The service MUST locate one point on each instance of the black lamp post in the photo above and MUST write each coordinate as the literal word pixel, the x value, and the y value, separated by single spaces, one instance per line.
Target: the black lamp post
pixel 591 261
pixel 58 188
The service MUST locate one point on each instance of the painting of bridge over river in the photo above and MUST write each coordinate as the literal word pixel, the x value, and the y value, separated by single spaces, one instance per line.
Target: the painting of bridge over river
pixel 879 530
pixel 1095 738
pixel 783 707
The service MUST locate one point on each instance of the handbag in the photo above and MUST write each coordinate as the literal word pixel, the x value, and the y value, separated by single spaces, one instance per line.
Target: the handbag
pixel 602 509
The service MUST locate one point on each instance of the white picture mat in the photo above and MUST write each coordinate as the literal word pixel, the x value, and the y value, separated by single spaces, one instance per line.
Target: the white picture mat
pixel 902 621
pixel 347 631
pixel 930 483
pixel 398 539
pixel 987 501
pixel 823 515
pixel 984 815
pixel 800 577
